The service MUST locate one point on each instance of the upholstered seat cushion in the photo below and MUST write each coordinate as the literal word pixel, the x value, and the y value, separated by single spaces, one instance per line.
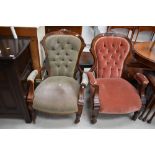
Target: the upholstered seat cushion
pixel 57 94
pixel 117 96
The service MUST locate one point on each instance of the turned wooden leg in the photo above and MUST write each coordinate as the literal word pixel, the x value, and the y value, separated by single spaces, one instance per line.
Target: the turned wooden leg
pixel 94 116
pixel 143 112
pixel 135 116
pixel 32 113
pixel 150 107
pixel 137 113
pixel 144 119
pixel 80 104
pixel 34 116
pixel 89 103
pixel 78 114
pixel 95 105
pixel 151 118
pixel 146 107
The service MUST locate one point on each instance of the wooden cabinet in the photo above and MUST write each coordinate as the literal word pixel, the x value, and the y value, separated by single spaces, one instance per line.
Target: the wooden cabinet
pixel 15 66
pixel 30 32
pixel 77 29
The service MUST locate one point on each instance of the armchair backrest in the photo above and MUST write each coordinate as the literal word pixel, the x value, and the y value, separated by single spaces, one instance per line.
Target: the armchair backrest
pixel 63 49
pixel 109 52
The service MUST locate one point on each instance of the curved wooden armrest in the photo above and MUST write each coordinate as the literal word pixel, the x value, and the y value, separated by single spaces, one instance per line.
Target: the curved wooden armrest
pixel 30 80
pixel 141 79
pixel 32 75
pixel 91 78
pixel 143 82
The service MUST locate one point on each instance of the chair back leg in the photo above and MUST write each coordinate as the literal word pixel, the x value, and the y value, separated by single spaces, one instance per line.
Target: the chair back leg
pixel 32 113
pixel 147 105
pixel 151 118
pixel 149 111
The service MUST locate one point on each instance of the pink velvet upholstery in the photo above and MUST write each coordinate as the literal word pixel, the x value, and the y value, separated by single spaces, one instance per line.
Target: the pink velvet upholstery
pixel 111 53
pixel 117 96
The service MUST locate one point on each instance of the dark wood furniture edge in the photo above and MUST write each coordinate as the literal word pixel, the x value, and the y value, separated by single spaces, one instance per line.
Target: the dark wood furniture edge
pixel 30 32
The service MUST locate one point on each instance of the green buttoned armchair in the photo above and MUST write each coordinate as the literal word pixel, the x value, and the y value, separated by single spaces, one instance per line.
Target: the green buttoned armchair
pixel 59 92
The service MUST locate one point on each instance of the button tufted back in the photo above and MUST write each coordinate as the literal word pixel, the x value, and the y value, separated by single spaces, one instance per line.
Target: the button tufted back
pixel 62 54
pixel 110 52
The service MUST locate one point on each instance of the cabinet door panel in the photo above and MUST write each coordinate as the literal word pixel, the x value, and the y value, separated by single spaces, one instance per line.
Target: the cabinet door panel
pixel 8 102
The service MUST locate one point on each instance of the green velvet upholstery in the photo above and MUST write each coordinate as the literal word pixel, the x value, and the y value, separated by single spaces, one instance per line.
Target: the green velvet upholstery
pixel 57 94
pixel 62 54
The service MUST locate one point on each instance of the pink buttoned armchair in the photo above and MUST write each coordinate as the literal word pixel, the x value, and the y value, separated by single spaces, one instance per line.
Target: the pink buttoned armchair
pixel 110 93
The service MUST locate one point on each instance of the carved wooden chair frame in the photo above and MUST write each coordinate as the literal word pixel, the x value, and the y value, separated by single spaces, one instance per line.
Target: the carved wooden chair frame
pixel 139 77
pixel 33 75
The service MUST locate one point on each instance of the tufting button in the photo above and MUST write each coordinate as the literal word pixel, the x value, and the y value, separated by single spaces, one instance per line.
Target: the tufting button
pixel 104 45
pixel 115 63
pixel 53 48
pixel 70 60
pixel 58 66
pixel 66 66
pixel 62 59
pixel 58 41
pixel 58 54
pixel 66 53
pixel 53 59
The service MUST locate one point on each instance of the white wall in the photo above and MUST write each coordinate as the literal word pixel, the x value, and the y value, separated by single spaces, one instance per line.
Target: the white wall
pixel 41 34
pixel 89 32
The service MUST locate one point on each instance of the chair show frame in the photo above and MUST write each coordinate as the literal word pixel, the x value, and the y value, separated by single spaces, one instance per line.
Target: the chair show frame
pixel 80 102
pixel 139 77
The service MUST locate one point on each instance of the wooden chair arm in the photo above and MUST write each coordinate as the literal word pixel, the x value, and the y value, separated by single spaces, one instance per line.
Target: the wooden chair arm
pixel 32 75
pixel 141 79
pixel 30 81
pixel 143 82
pixel 91 78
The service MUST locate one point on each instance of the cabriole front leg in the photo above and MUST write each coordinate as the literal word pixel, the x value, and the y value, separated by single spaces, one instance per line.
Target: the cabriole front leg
pixel 80 104
pixel 96 106
pixel 78 114
pixel 143 82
